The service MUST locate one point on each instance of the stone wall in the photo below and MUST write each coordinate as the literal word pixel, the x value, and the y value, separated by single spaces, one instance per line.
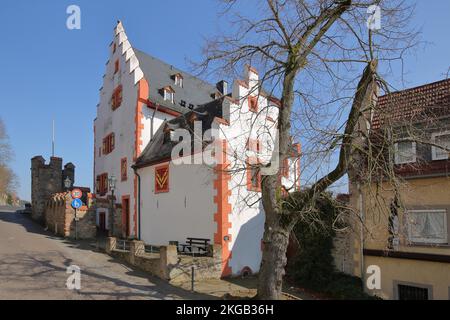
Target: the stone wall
pixel 46 180
pixel 167 264
pixel 60 217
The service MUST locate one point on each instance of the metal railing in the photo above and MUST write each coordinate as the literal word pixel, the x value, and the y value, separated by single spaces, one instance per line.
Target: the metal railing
pixel 123 245
pixel 151 249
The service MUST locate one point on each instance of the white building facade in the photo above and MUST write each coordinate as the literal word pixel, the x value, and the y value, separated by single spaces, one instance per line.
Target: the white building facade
pixel 163 200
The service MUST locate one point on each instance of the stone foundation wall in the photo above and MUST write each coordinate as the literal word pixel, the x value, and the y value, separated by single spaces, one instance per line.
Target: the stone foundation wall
pixel 167 264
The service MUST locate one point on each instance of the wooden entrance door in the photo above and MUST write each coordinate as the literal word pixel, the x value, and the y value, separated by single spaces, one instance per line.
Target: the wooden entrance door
pixel 102 221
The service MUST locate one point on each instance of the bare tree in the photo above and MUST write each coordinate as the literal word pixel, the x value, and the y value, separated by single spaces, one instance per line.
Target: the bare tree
pixel 8 180
pixel 311 54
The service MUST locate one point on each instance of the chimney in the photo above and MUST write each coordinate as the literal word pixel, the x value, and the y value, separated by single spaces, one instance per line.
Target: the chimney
pixel 222 86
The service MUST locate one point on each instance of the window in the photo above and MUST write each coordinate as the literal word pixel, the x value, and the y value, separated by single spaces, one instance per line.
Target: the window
pixel 116 66
pixel 116 99
pixel 183 103
pixel 102 184
pixel 253 176
pixel 442 139
pixel 162 179
pixel 405 152
pixel 406 292
pixel 168 95
pixel 108 143
pixel 179 80
pixel 427 226
pixel 254 145
pixel 253 104
pixel 114 48
pixel 123 169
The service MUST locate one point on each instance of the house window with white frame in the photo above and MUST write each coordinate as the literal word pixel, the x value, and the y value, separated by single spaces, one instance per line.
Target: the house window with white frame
pixel 179 80
pixel 427 226
pixel 168 95
pixel 405 152
pixel 441 139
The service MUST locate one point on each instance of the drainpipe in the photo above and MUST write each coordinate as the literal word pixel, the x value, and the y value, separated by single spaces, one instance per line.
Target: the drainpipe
pixel 138 202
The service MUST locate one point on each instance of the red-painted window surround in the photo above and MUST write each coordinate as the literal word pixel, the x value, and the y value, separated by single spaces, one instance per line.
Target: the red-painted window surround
pixel 253 104
pixel 116 99
pixel 102 184
pixel 123 169
pixel 254 145
pixel 108 143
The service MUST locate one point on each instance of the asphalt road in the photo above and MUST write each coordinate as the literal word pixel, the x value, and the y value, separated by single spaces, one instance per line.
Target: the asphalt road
pixel 33 265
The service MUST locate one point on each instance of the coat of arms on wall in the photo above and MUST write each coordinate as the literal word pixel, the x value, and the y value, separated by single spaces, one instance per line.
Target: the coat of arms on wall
pixel 162 179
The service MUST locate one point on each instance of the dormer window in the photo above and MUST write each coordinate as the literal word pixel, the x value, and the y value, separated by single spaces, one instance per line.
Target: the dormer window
pixel 179 80
pixel 441 139
pixel 169 94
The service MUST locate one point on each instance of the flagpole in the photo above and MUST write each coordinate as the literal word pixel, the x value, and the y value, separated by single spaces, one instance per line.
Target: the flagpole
pixel 53 138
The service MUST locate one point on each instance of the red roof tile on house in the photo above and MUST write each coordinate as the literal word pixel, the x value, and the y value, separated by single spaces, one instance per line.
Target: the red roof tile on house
pixel 413 104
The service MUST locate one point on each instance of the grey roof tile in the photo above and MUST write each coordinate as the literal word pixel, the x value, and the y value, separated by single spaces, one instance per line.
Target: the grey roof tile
pixel 160 74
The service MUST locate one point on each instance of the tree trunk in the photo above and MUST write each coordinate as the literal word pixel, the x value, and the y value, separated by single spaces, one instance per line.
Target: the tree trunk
pixel 273 262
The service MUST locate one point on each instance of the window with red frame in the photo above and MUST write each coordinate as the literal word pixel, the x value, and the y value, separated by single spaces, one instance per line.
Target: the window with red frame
pixel 116 99
pixel 162 179
pixel 108 143
pixel 116 66
pixel 253 104
pixel 253 177
pixel 254 145
pixel 123 169
pixel 102 184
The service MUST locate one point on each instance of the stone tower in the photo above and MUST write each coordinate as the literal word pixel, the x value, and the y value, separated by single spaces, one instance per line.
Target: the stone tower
pixel 47 179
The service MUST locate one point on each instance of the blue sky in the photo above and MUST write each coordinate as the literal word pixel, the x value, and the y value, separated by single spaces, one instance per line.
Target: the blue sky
pixel 49 72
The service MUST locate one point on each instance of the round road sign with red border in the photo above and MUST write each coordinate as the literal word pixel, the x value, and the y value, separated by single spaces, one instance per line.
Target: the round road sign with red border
pixel 76 193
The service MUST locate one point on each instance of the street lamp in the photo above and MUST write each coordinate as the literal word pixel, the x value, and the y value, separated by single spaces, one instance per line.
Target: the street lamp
pixel 112 186
pixel 67 183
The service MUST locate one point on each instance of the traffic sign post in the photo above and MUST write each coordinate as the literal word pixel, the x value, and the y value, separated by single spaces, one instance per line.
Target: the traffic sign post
pixel 76 204
pixel 76 193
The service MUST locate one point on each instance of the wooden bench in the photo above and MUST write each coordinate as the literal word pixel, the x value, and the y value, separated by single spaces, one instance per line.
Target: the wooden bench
pixel 199 243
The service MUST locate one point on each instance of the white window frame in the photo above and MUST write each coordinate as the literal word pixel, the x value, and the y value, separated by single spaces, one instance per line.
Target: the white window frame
pixel 179 81
pixel 424 240
pixel 396 154
pixel 434 149
pixel 168 95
